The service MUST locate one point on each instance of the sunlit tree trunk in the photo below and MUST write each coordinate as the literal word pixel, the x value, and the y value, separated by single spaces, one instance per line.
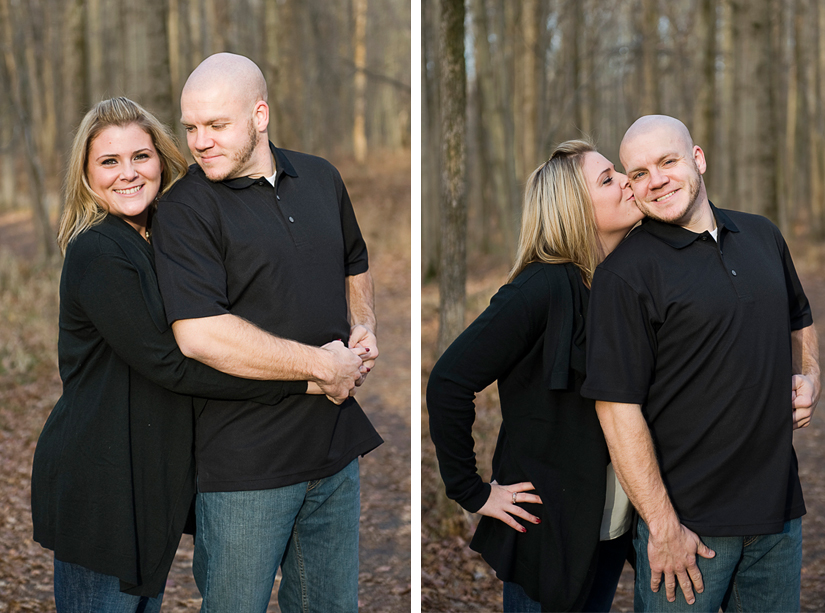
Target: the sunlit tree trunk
pixel 359 132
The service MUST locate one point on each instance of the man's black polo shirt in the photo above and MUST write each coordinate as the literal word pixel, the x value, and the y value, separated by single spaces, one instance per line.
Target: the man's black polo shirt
pixel 698 333
pixel 277 257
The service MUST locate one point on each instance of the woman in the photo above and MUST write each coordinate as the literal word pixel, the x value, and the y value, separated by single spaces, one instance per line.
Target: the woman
pixel 531 339
pixel 113 478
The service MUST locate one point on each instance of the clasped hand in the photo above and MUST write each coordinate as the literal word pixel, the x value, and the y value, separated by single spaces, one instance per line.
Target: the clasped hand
pixel 804 397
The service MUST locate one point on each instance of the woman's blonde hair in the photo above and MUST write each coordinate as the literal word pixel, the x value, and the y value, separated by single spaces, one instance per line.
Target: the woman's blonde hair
pixel 81 209
pixel 558 224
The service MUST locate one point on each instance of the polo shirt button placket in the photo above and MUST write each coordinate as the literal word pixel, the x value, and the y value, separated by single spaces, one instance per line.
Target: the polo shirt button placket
pixel 733 272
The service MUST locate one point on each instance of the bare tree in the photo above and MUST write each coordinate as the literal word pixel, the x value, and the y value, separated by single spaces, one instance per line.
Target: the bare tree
pixel 453 268
pixel 359 133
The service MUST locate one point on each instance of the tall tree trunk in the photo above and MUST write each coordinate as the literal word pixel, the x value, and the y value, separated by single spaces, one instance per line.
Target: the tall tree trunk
pixel 704 110
pixel 359 133
pixel 651 100
pixel 453 269
pixel 786 164
pixel 728 149
pixel 756 134
pixel 431 135
pixel 531 82
pixel 817 131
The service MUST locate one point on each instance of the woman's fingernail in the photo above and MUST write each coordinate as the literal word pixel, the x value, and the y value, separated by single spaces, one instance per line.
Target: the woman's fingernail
pixel 538 520
pixel 523 529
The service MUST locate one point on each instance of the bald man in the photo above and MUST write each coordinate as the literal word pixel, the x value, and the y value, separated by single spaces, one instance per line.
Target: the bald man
pixel 264 274
pixel 703 358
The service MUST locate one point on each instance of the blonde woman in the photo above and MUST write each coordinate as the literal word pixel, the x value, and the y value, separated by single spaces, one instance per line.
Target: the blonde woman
pixel 557 535
pixel 113 478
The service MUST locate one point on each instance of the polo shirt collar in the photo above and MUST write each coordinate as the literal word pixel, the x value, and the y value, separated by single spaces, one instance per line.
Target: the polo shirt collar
pixel 282 164
pixel 678 237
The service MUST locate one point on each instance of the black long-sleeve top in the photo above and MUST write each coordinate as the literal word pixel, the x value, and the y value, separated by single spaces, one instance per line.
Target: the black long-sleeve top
pixel 531 339
pixel 113 477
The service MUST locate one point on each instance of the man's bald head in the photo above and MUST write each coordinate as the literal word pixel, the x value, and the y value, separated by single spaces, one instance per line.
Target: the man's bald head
pixel 225 114
pixel 231 73
pixel 663 126
pixel 664 169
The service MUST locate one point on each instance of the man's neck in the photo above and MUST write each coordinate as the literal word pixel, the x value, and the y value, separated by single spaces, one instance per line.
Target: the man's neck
pixel 702 219
pixel 264 162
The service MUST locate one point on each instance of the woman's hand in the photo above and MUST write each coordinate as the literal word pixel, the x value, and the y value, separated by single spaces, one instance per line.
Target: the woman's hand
pixel 503 504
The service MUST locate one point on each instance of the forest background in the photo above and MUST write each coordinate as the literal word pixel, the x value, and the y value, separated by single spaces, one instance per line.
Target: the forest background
pixel 503 82
pixel 339 86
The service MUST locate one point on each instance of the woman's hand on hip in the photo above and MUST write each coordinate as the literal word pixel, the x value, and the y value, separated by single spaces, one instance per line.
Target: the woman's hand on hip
pixel 504 500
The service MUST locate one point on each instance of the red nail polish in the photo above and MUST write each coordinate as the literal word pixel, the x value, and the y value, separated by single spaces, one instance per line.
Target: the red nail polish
pixel 523 529
pixel 538 521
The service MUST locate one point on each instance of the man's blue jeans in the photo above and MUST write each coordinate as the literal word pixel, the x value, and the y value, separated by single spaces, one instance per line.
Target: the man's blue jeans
pixel 309 529
pixel 80 590
pixel 748 573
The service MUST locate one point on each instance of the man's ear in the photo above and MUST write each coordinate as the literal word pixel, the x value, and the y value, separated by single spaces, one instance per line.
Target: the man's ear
pixel 261 115
pixel 699 159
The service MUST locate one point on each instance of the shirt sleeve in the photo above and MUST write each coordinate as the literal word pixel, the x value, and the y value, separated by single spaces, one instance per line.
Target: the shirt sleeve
pixel 356 260
pixel 798 306
pixel 501 336
pixel 109 293
pixel 621 342
pixel 189 262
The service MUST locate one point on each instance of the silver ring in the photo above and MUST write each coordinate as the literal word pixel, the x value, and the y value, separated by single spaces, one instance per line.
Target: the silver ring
pixel 514 497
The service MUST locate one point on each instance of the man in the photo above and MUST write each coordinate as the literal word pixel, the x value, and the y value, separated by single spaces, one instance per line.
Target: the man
pixel 703 358
pixel 259 259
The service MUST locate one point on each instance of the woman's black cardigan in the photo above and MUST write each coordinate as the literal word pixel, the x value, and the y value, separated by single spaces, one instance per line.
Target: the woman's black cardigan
pixel 114 474
pixel 531 339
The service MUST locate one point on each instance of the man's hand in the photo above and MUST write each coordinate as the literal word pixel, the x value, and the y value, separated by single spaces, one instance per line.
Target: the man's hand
pixel 338 375
pixel 673 552
pixel 361 337
pixel 501 506
pixel 804 395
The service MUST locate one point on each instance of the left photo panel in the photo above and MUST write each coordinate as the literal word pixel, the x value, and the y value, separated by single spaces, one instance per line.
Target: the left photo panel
pixel 205 298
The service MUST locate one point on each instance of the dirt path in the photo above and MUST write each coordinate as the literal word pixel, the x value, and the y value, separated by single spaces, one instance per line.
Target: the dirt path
pixel 381 196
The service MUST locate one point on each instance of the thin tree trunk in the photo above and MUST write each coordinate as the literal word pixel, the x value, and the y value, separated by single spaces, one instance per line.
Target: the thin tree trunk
pixel 453 268
pixel 651 101
pixel 756 189
pixel 704 126
pixel 431 133
pixel 359 133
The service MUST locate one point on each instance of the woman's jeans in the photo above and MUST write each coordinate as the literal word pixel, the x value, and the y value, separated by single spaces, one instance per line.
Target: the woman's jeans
pixel 612 555
pixel 748 573
pixel 80 590
pixel 309 529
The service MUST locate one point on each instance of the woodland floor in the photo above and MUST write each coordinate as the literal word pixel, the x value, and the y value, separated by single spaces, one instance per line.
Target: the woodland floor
pixel 29 387
pixel 454 578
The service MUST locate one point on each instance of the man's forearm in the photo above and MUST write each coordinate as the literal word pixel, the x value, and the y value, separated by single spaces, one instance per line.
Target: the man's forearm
pixel 235 346
pixel 634 460
pixel 805 347
pixel 361 301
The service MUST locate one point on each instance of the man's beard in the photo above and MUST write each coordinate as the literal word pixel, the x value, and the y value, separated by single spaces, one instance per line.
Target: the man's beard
pixel 693 196
pixel 240 157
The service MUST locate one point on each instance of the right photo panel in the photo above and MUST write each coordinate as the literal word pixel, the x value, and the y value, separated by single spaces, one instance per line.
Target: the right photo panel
pixel 623 213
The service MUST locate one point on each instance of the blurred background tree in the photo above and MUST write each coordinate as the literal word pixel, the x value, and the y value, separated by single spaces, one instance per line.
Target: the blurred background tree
pixel 337 70
pixel 746 76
